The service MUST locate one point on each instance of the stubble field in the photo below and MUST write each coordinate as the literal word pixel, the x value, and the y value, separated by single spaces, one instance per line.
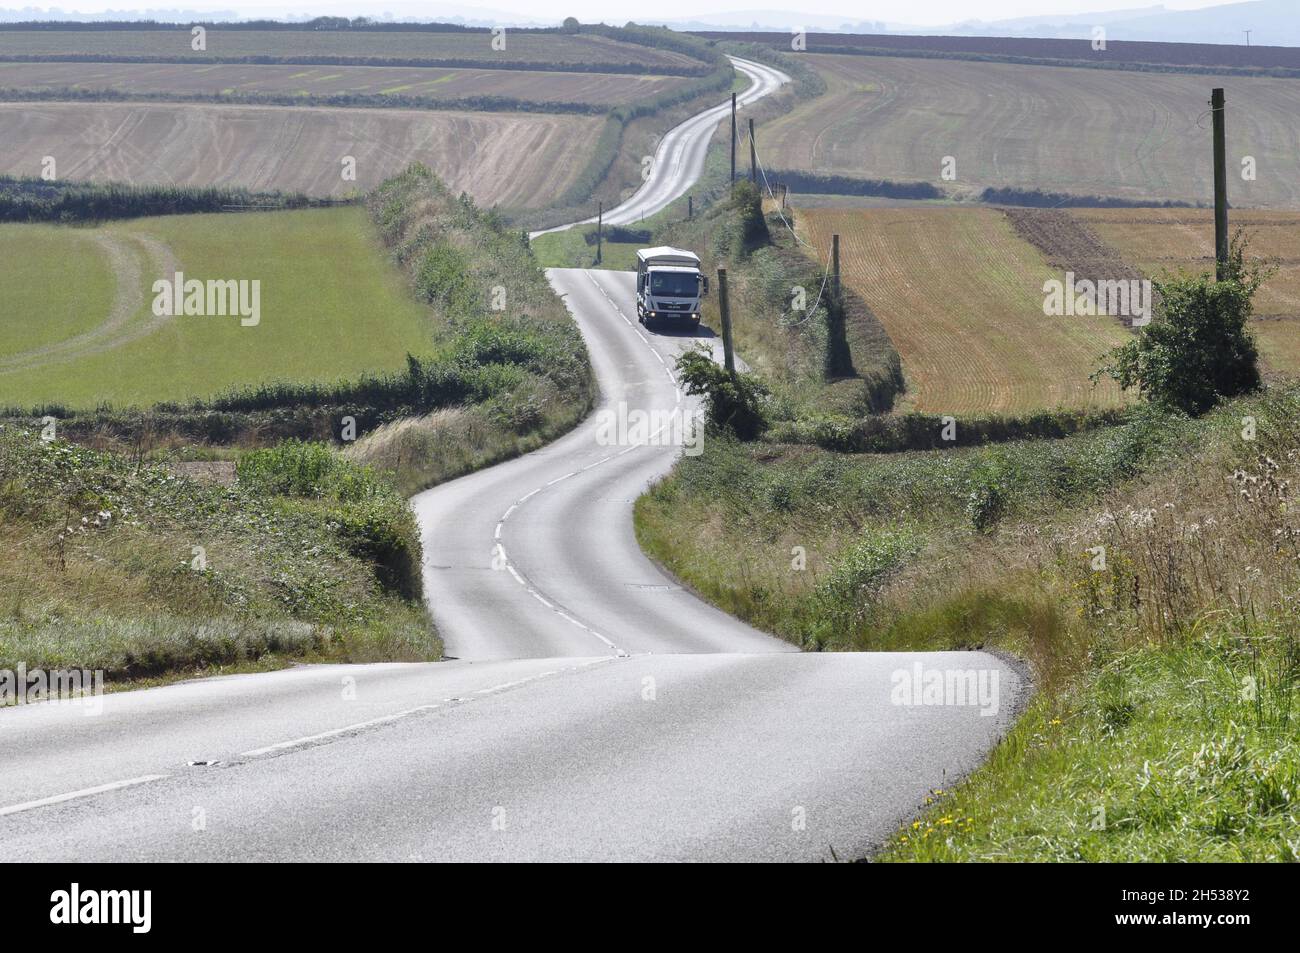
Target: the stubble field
pixel 1167 240
pixel 961 295
pixel 508 158
pixel 597 90
pixel 1134 135
pixel 521 49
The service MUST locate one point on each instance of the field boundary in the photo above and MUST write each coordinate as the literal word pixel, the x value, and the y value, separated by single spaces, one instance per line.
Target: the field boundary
pixel 421 62
pixel 68 94
pixel 1277 62
pixel 1263 72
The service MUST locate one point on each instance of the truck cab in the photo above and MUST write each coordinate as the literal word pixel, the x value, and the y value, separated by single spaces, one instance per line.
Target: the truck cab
pixel 669 285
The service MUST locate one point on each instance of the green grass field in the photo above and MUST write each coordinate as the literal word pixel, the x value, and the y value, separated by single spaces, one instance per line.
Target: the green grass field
pixel 58 274
pixel 332 307
pixel 569 249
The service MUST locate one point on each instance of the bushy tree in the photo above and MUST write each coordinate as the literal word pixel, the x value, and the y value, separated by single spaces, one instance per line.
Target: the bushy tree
pixel 733 402
pixel 1199 349
pixel 746 228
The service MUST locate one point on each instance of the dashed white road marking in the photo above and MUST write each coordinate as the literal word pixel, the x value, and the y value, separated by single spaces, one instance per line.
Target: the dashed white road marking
pixel 335 732
pixel 499 550
pixel 320 736
pixel 76 795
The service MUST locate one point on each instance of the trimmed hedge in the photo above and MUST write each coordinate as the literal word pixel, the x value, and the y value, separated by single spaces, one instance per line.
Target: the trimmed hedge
pixel 1037 198
pixel 917 431
pixel 814 183
pixel 35 200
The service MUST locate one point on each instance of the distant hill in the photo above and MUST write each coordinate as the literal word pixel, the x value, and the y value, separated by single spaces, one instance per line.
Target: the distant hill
pixel 1273 22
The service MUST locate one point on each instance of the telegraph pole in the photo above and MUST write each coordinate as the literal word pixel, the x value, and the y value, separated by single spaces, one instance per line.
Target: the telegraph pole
pixel 1221 242
pixel 690 207
pixel 728 355
pixel 839 360
pixel 753 154
pixel 835 265
pixel 733 138
pixel 600 227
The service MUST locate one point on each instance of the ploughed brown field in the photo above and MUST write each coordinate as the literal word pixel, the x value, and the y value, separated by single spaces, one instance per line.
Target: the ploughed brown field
pixel 1136 135
pixel 1157 240
pixel 511 159
pixel 226 79
pixel 520 48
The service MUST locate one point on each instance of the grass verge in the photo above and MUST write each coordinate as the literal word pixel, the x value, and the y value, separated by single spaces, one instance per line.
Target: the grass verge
pixel 123 566
pixel 1145 571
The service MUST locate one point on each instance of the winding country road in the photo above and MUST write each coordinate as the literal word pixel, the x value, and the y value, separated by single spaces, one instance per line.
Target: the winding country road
pixel 592 710
pixel 679 157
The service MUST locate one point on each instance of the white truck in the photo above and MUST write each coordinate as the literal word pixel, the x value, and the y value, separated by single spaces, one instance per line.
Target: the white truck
pixel 669 285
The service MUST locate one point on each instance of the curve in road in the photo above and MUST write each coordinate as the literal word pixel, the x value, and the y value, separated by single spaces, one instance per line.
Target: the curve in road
pixel 596 710
pixel 537 557
pixel 679 158
pixel 685 736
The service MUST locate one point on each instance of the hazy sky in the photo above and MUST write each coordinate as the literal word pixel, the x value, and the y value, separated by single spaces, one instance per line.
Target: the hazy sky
pixel 617 11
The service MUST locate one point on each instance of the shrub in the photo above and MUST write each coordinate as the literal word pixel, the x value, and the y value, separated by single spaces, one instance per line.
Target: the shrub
pixel 35 200
pixel 986 501
pixel 865 567
pixel 442 278
pixel 734 401
pixel 814 183
pixel 311 470
pixel 367 513
pixel 1037 198
pixel 383 530
pixel 1199 351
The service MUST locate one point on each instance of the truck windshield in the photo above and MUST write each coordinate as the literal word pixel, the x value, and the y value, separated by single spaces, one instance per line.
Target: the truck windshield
pixel 674 284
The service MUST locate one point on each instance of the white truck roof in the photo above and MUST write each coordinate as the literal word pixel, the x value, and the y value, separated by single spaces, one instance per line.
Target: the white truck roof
pixel 666 255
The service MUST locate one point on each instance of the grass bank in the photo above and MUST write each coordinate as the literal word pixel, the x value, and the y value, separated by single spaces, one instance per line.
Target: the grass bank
pixel 115 564
pixel 476 359
pixel 1145 571
pixel 294 540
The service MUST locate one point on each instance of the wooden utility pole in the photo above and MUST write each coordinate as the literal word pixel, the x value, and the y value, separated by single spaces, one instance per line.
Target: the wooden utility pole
pixel 690 206
pixel 733 138
pixel 600 228
pixel 839 360
pixel 1221 242
pixel 753 154
pixel 728 355
pixel 835 265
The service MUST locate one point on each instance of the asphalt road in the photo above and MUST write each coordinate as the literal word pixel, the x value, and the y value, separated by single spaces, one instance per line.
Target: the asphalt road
pixel 679 157
pixel 654 757
pixel 537 557
pixel 593 709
